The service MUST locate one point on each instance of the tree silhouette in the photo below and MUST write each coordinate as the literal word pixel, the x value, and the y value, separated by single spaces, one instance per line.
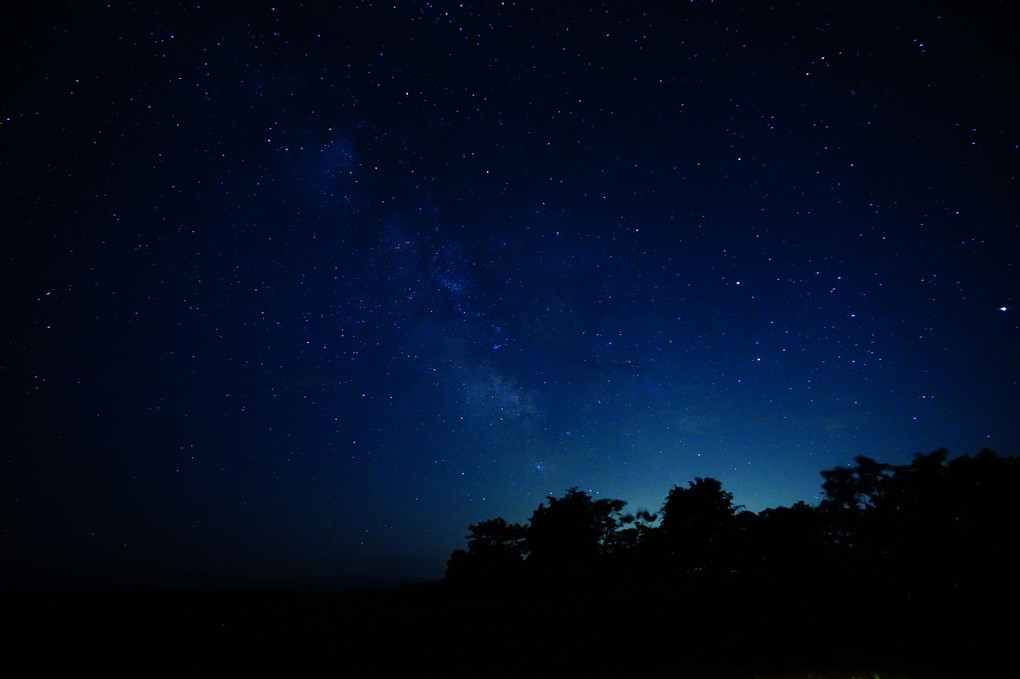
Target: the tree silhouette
pixel 496 551
pixel 636 527
pixel 573 532
pixel 855 488
pixel 891 553
pixel 785 546
pixel 856 513
pixel 698 526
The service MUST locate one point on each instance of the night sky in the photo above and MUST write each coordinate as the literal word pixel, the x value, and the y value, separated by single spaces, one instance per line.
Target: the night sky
pixel 304 290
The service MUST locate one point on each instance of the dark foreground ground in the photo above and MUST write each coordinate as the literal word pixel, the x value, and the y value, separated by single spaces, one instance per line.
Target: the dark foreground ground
pixel 429 630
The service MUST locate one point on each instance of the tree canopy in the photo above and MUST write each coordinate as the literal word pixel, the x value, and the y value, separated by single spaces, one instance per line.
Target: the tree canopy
pixel 892 557
pixel 911 527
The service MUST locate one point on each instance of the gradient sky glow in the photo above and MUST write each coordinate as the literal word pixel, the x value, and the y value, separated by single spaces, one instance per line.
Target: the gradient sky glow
pixel 305 291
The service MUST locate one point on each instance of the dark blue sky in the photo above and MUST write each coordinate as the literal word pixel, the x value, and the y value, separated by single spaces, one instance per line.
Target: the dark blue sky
pixel 304 291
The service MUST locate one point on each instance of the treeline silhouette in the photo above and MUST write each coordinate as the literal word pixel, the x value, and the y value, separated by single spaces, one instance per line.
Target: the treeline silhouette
pixel 911 561
pixel 901 572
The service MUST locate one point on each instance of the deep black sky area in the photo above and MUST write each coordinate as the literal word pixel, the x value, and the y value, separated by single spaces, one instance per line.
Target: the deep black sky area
pixel 303 289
